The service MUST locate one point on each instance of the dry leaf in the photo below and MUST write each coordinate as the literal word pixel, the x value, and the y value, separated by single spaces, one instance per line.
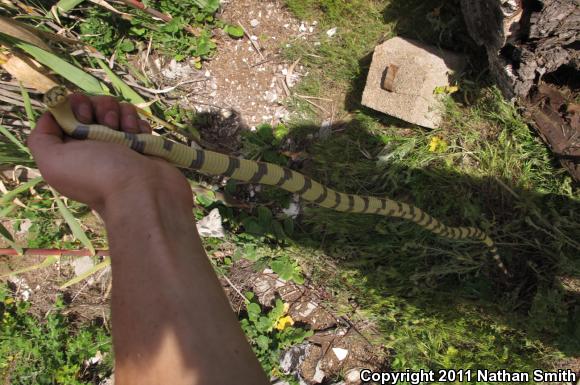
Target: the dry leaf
pixel 22 32
pixel 27 71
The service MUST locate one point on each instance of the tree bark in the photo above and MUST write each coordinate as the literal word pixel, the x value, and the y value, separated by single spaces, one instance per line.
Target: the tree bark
pixel 534 58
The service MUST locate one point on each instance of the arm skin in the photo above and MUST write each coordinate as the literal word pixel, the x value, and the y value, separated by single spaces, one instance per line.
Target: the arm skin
pixel 172 323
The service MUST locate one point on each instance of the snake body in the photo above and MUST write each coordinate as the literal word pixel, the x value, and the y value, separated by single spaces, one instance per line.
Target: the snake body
pixel 214 163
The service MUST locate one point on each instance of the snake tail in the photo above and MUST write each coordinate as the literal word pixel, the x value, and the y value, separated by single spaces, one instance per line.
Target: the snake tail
pixel 214 163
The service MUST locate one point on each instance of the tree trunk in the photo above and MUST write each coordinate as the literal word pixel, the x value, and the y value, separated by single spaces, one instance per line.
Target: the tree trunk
pixel 534 58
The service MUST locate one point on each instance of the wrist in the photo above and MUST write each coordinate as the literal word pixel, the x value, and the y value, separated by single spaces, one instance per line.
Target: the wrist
pixel 146 197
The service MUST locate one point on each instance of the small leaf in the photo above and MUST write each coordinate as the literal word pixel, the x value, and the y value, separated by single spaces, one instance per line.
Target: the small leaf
pixel 263 342
pixel 127 46
pixel 235 31
pixel 280 131
pixel 289 226
pixel 206 199
pixel 264 216
pixel 253 309
pixel 73 224
pixel 283 267
pixel 252 226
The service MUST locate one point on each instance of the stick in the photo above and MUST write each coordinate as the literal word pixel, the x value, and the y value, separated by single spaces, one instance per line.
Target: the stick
pixel 254 44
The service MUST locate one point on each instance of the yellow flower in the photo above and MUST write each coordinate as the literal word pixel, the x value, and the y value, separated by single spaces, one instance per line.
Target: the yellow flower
pixel 437 145
pixel 284 322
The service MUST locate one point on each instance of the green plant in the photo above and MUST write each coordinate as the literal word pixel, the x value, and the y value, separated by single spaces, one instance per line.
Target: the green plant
pixel 287 269
pixel 269 332
pixel 111 34
pixel 264 143
pixel 50 350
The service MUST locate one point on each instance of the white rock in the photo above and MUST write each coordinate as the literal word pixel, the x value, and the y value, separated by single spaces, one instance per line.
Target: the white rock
pixel 302 28
pixel 254 23
pixel 270 96
pixel 293 210
pixel 340 353
pixel 23 291
pixel 211 225
pixel 318 374
pixel 292 358
pixel 25 225
pixel 352 377
pixel 82 265
pixel 331 32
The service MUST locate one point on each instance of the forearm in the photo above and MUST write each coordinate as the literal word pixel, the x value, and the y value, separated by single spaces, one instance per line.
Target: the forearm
pixel 172 323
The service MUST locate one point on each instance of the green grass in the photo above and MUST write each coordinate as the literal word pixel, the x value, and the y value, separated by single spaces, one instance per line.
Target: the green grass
pixel 438 303
pixel 49 350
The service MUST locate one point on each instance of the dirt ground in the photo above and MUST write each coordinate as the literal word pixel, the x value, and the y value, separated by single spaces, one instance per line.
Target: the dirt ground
pixel 248 75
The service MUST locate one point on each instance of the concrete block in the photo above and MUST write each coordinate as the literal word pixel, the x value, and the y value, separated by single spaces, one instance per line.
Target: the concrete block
pixel 403 77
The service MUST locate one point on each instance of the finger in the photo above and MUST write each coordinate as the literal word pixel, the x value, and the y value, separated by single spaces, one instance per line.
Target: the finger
pixel 47 133
pixel 107 111
pixel 144 126
pixel 129 118
pixel 82 107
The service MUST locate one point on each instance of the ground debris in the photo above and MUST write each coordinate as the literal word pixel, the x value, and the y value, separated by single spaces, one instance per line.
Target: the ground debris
pixel 557 119
pixel 337 346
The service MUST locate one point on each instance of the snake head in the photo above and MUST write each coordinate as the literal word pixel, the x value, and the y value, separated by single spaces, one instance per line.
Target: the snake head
pixel 55 96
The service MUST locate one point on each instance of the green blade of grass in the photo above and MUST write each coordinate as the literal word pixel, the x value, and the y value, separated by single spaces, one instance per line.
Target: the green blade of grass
pixel 67 5
pixel 50 260
pixel 9 196
pixel 8 237
pixel 87 273
pixel 127 92
pixel 4 131
pixel 28 106
pixel 6 210
pixel 73 224
pixel 68 71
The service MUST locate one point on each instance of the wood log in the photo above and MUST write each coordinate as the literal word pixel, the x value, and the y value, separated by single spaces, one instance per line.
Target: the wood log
pixel 534 58
pixel 525 39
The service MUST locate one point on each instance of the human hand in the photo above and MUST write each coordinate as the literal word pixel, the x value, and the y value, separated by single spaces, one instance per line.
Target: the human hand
pixel 94 172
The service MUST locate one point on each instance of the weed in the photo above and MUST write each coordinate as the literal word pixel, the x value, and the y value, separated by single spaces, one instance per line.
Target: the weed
pixel 111 34
pixel 48 351
pixel 270 332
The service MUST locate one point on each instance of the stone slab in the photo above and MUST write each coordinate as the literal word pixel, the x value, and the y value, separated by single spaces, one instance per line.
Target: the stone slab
pixel 419 70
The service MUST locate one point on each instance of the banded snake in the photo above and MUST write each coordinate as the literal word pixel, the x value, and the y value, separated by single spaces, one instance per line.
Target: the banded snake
pixel 214 163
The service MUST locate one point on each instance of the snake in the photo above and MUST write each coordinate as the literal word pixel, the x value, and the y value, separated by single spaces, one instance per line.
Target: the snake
pixel 218 164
